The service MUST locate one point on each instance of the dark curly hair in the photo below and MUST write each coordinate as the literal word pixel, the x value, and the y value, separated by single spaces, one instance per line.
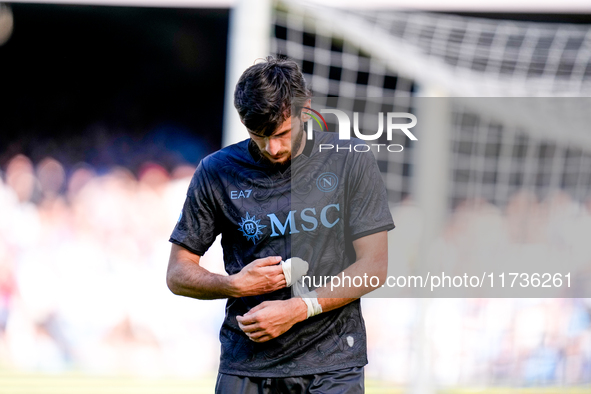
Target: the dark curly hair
pixel 266 92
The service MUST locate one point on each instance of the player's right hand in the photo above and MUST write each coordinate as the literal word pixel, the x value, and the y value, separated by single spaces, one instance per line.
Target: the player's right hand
pixel 260 277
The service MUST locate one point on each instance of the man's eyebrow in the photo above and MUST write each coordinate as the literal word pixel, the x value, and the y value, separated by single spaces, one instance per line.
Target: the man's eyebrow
pixel 283 131
pixel 272 135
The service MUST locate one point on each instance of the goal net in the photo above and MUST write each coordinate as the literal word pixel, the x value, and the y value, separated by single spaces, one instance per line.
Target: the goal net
pixel 401 55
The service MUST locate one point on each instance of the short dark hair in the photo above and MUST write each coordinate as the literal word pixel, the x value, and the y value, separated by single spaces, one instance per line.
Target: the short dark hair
pixel 266 91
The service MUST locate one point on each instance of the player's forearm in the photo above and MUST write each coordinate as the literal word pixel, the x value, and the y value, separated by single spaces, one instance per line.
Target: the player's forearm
pixel 333 297
pixel 189 279
pixel 371 263
pixel 186 277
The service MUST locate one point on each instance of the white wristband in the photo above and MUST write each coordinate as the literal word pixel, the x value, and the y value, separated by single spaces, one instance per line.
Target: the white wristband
pixel 311 300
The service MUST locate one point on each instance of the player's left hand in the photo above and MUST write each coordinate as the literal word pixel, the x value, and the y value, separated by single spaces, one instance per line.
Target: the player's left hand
pixel 270 319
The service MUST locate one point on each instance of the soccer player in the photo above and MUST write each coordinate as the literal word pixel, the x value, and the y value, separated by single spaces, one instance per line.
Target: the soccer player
pixel 275 197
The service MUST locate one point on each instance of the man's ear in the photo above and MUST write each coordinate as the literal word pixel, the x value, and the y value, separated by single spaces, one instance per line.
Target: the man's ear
pixel 305 112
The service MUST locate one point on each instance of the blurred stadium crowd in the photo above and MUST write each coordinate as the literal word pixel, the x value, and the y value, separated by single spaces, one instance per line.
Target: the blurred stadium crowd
pixel 82 284
pixel 494 341
pixel 82 272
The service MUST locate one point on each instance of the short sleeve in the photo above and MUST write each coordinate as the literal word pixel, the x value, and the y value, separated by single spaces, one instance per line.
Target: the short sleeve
pixel 196 228
pixel 369 212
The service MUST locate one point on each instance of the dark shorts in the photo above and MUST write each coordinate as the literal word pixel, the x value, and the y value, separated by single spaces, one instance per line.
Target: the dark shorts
pixel 349 381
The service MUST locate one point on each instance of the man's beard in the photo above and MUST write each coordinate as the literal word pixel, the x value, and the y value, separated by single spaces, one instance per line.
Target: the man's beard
pixel 296 144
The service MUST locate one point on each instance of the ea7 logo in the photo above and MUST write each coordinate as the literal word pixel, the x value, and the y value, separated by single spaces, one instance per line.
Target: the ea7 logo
pixel 236 194
pixel 345 125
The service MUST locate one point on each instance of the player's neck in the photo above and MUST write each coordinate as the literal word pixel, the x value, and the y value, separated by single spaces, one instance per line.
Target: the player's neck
pixel 300 146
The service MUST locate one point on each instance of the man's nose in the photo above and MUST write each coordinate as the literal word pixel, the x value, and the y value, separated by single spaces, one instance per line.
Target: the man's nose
pixel 272 146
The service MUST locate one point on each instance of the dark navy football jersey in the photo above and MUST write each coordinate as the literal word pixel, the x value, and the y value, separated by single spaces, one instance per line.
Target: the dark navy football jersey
pixel 313 209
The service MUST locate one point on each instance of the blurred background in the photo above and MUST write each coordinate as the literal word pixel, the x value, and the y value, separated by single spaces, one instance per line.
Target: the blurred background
pixel 107 107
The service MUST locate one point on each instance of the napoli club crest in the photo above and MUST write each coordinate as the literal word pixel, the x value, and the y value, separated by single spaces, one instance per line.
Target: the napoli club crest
pixel 251 228
pixel 327 182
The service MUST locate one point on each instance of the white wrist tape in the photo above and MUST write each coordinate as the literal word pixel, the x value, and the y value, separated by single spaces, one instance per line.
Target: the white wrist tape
pixel 294 269
pixel 286 266
pixel 311 300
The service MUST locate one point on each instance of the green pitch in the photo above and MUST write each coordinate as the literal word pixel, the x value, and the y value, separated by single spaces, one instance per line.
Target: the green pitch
pixel 12 382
